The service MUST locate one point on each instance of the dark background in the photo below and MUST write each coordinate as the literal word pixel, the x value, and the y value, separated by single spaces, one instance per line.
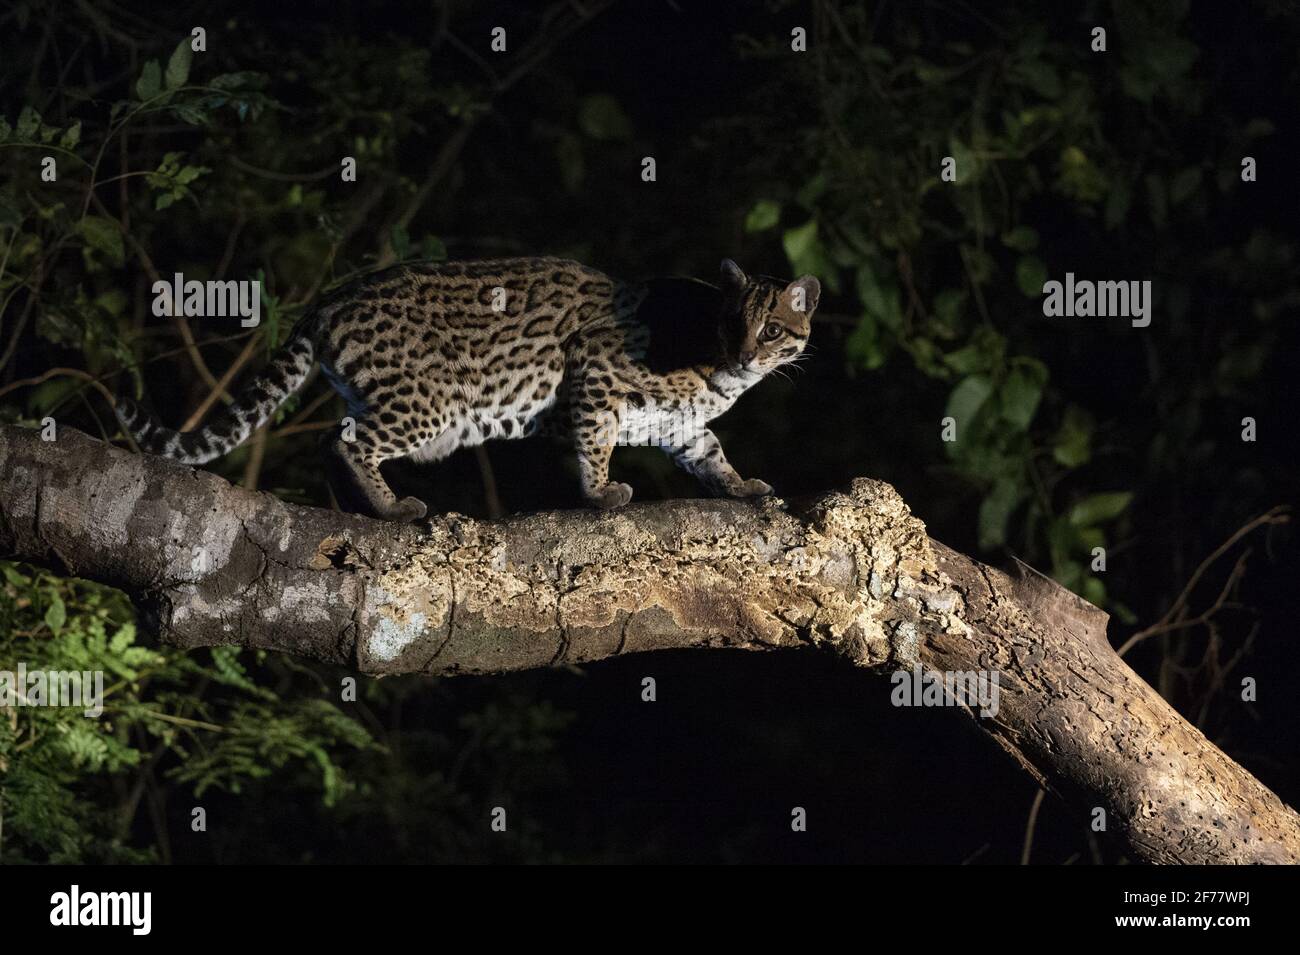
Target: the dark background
pixel 1075 433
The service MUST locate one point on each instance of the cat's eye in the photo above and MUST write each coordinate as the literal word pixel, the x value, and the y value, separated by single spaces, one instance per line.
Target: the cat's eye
pixel 772 331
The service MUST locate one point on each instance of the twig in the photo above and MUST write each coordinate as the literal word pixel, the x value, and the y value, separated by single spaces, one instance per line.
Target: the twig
pixel 182 326
pixel 330 170
pixel 257 454
pixel 490 495
pixel 306 426
pixel 311 407
pixel 1030 824
pixel 72 373
pixel 1171 620
pixel 219 387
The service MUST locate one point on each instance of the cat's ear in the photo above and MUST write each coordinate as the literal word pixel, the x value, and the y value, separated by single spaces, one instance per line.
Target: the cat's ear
pixel 732 277
pixel 803 293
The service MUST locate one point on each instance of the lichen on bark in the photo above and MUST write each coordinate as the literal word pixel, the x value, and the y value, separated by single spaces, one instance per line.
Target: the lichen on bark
pixel 576 584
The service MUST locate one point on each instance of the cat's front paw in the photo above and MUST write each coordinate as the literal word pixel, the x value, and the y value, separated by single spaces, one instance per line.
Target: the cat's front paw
pixel 611 495
pixel 753 488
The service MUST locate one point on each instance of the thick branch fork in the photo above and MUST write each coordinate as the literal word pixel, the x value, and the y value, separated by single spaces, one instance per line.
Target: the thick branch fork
pixel 853 572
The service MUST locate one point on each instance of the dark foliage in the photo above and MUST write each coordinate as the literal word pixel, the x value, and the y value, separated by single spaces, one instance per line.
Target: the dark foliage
pixel 1071 434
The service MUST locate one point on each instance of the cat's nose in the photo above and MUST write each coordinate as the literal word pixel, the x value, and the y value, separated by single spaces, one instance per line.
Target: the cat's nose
pixel 746 357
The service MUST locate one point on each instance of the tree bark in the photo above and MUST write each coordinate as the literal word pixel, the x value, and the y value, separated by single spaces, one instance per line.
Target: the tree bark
pixel 855 573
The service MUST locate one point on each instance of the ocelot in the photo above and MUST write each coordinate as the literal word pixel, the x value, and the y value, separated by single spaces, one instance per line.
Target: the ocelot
pixel 431 358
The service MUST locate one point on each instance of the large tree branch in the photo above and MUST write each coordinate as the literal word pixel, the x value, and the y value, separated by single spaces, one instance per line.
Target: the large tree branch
pixel 853 572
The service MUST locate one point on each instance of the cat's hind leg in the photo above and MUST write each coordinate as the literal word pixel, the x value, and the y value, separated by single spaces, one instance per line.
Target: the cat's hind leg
pixel 354 454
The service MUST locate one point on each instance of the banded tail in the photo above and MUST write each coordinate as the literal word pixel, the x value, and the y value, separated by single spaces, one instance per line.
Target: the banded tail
pixel 233 424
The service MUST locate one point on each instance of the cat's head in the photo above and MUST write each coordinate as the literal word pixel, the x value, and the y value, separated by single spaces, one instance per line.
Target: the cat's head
pixel 766 322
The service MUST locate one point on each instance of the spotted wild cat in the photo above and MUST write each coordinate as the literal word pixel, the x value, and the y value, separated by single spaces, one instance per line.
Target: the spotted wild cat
pixel 431 358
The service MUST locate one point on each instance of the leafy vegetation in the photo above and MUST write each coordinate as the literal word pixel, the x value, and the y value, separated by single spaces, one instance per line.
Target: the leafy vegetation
pixel 1071 434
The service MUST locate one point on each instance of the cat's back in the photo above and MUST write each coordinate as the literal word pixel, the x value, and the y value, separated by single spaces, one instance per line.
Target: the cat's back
pixel 523 273
pixel 530 295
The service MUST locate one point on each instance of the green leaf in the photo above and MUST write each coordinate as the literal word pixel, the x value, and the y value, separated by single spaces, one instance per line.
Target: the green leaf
pixel 433 249
pixel 812 190
pixel 1069 574
pixel 863 346
pixel 56 615
pixel 880 299
pixel 1094 591
pixel 1080 178
pixel 1090 537
pixel 967 399
pixel 124 637
pixel 764 214
pixel 1022 238
pixel 808 255
pixel 71 136
pixel 112 301
pixel 1123 614
pixel 45 398
pixel 149 84
pixel 1099 508
pixel 230 81
pixel 968 168
pixel 798 241
pixel 600 117
pixel 1072 445
pixel 104 236
pixel 1022 391
pixel 29 121
pixel 11 217
pixel 1031 273
pixel 401 242
pixel 190 114
pixel 56 327
pixel 948 307
pixel 967 360
pixel 187 174
pixel 996 510
pixel 929 74
pixel 178 67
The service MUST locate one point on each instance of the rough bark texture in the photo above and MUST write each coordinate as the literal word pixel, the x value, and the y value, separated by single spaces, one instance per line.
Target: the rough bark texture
pixel 852 572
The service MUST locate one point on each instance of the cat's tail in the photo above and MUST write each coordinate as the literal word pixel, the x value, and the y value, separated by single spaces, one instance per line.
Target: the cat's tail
pixel 233 424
